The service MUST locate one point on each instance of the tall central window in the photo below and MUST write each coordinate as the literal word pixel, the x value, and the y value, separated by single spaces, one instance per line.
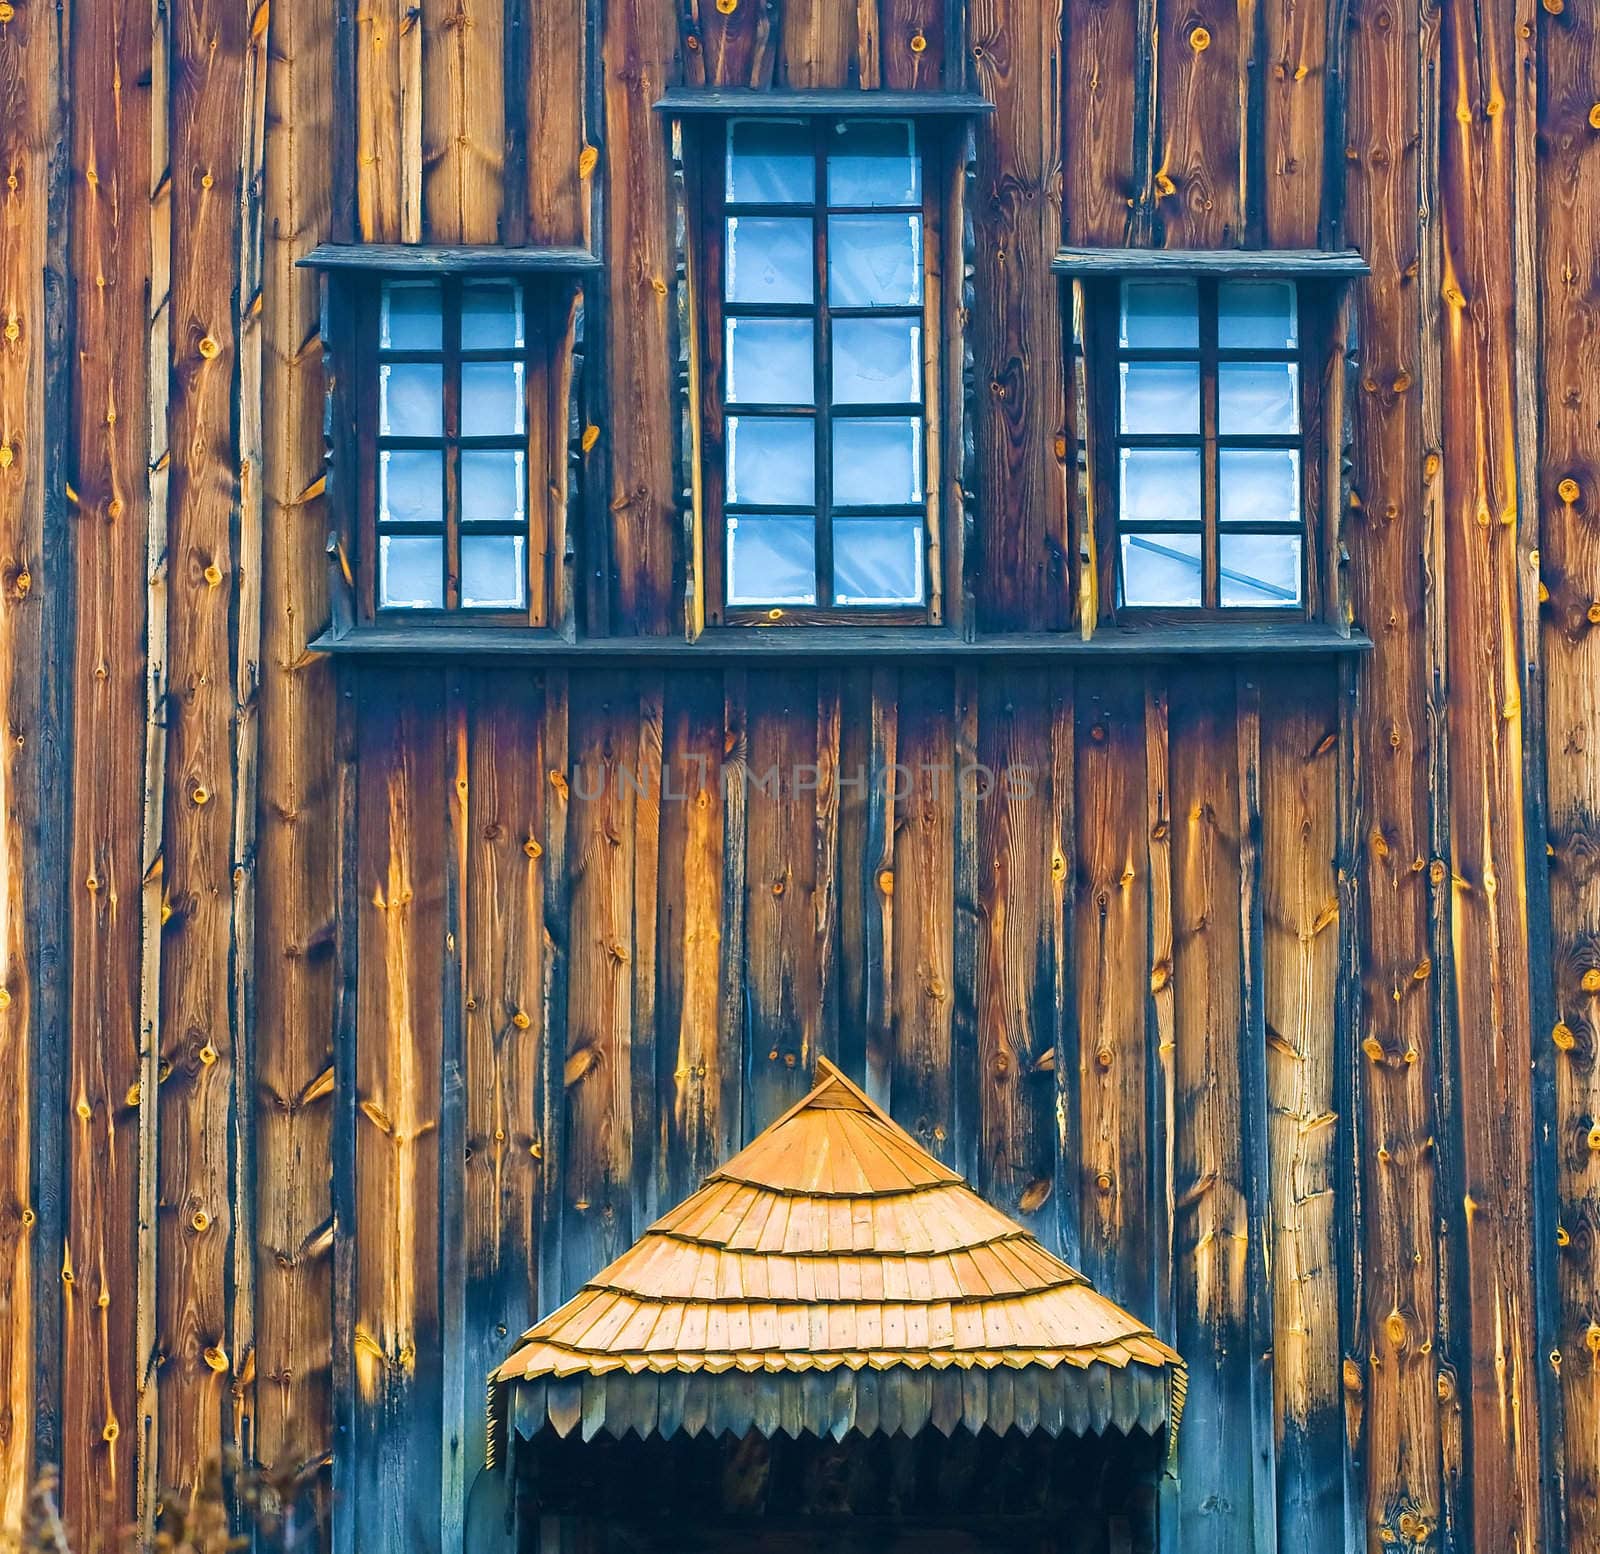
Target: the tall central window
pixel 822 371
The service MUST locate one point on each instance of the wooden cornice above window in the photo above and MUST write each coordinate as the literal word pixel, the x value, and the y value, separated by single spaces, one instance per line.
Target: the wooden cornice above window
pixel 461 259
pixel 688 102
pixel 1289 264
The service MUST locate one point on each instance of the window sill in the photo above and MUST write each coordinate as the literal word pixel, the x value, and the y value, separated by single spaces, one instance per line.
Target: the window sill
pixel 919 644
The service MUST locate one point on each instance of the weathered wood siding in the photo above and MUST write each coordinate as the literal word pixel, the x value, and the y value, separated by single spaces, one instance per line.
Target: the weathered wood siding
pixel 349 1018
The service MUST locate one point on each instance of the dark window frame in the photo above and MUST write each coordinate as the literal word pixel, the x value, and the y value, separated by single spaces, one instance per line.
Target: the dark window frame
pixel 705 154
pixel 1105 354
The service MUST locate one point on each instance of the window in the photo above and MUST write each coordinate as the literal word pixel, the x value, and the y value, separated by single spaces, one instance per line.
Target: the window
pixel 820 379
pixel 1208 446
pixel 451 477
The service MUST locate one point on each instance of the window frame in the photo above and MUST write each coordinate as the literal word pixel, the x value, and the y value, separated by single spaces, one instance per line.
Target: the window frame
pixel 705 151
pixel 1100 347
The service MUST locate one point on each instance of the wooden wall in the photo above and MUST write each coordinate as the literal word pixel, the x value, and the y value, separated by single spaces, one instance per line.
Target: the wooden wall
pixel 349 1019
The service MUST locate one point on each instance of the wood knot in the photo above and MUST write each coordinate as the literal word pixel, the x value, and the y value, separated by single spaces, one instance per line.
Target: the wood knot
pixel 591 435
pixel 208 1054
pixel 588 159
pixel 1590 982
pixel 532 848
pixel 1568 490
pixel 6 12
pixel 520 1020
pixel 200 795
pixel 6 455
pixel 200 1220
pixel 212 574
pixel 208 347
pixel 727 7
pixel 918 43
pixel 1563 1038
pixel 216 1358
pixel 1200 40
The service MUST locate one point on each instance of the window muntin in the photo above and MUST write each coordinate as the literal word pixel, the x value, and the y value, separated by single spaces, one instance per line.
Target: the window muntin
pixel 821 318
pixel 452 446
pixel 1208 446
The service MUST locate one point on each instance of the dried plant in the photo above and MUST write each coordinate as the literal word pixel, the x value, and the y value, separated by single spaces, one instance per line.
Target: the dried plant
pixel 208 1519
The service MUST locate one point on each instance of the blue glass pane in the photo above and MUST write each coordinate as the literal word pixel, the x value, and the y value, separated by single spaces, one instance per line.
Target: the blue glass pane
pixel 772 560
pixel 771 162
pixel 492 484
pixel 877 361
pixel 411 399
pixel 874 261
pixel 410 572
pixel 1161 569
pixel 1256 316
pixel 1259 484
pixel 770 361
pixel 493 573
pixel 491 316
pixel 874 162
pixel 1260 571
pixel 1258 398
pixel 877 561
pixel 491 399
pixel 771 461
pixel 1160 485
pixel 877 461
pixel 770 259
pixel 413 316
pixel 1160 315
pixel 1161 397
pixel 411 485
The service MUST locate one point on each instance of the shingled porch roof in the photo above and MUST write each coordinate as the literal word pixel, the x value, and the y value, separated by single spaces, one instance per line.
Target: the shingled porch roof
pixel 833 1276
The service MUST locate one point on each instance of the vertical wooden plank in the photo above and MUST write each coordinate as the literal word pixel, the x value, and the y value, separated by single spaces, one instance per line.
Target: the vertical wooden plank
pixel 695 1133
pixel 1260 1273
pixel 1301 924
pixel 506 968
pixel 1101 75
pixel 1018 946
pixel 966 940
pixel 296 861
pixel 785 899
pixel 463 119
pixel 640 436
pixel 736 41
pixel 1111 929
pixel 598 1164
pixel 107 479
pixel 198 1040
pixel 814 44
pixel 1213 1230
pixel 30 901
pixel 1391 1375
pixel 401 866
pixel 912 45
pixel 647 1203
pixel 1021 429
pixel 1489 899
pixel 1201 109
pixel 379 47
pixel 877 883
pixel 1294 116
pixel 922 986
pixel 546 98
pixel 1160 1019
pixel 1569 491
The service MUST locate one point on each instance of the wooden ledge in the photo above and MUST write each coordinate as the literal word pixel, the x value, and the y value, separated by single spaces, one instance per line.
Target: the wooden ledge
pixel 463 259
pixel 690 102
pixel 751 645
pixel 1284 263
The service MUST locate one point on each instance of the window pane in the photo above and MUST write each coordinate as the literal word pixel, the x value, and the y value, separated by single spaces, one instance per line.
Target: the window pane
pixel 1160 484
pixel 1160 314
pixel 410 572
pixel 1160 569
pixel 1256 316
pixel 874 261
pixel 411 485
pixel 877 461
pixel 772 461
pixel 493 575
pixel 491 316
pixel 413 316
pixel 770 259
pixel 770 361
pixel 877 561
pixel 771 162
pixel 1257 398
pixel 491 398
pixel 874 162
pixel 877 361
pixel 772 560
pixel 1261 570
pixel 411 399
pixel 1161 397
pixel 1259 483
pixel 492 483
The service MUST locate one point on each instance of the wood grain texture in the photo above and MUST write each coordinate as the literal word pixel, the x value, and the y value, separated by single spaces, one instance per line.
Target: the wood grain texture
pixel 547 109
pixel 1480 204
pixel 1111 928
pixel 1301 922
pixel 463 119
pixel 603 773
pixel 296 871
pixel 1391 1381
pixel 639 439
pixel 1568 490
pixel 815 46
pixel 111 227
pixel 1100 74
pixel 29 103
pixel 1021 433
pixel 1212 1228
pixel 395 1336
pixel 385 41
pixel 198 1038
pixel 1294 114
pixel 1200 110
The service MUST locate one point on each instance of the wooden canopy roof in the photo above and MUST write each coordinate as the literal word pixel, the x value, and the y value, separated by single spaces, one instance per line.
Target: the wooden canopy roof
pixel 833 1275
